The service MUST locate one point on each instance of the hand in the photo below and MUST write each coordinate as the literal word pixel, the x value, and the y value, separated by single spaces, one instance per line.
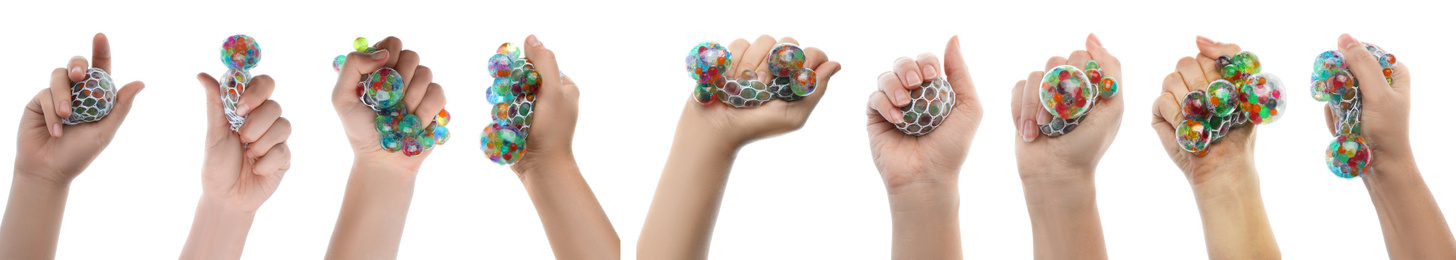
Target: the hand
pixel 1385 108
pixel 935 157
pixel 46 154
pixel 555 113
pixel 1235 153
pixel 423 98
pixel 740 126
pixel 1079 151
pixel 243 168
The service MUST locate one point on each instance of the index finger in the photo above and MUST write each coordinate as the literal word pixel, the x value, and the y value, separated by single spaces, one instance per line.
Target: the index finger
pixel 356 65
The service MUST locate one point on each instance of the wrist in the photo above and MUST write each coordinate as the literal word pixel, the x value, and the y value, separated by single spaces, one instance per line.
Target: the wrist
pixel 43 178
pixel 380 164
pixel 943 196
pixel 1055 187
pixel 546 163
pixel 219 230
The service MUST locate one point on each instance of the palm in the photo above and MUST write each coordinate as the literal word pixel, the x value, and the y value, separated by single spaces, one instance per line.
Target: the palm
pixel 228 172
pixel 1095 131
pixel 65 157
pixel 899 156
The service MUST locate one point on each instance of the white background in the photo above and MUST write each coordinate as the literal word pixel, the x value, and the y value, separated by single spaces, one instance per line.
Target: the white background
pixel 825 202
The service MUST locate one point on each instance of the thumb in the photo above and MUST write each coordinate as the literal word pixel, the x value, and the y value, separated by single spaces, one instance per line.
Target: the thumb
pixel 124 98
pixel 957 73
pixel 544 60
pixel 213 96
pixel 1212 49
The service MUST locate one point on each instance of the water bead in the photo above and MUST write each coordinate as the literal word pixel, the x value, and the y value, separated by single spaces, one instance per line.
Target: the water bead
pixel 1196 105
pixel 91 98
pixel 805 81
pixel 240 52
pixel 1193 136
pixel 384 88
pixel 1092 65
pixel 510 49
pixel 1066 92
pixel 361 44
pixel 1348 156
pixel 708 60
pixel 443 118
pixel 1221 97
pixel 785 59
pixel 399 130
pixel 930 105
pixel 339 62
pixel 787 79
pixel 231 86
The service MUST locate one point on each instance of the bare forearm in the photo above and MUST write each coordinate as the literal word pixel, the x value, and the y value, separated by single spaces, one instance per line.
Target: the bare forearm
pixel 574 221
pixel 926 219
pixel 32 222
pixel 1413 224
pixel 1235 225
pixel 680 222
pixel 372 217
pixel 219 231
pixel 1065 223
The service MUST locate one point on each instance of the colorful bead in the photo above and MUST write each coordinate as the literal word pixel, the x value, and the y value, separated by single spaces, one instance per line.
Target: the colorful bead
pixel 361 44
pixel 1333 82
pixel 1348 156
pixel 241 52
pixel 1222 98
pixel 399 130
pixel 785 59
pixel 787 79
pixel 1244 95
pixel 339 62
pixel 512 97
pixel 231 86
pixel 1066 92
pixel 443 118
pixel 1193 136
pixel 930 105
pixel 91 98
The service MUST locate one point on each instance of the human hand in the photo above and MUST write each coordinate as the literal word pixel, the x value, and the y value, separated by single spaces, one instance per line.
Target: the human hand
pixel 242 169
pixel 1079 151
pixel 554 114
pixel 422 97
pixel 1385 107
pixel 935 157
pixel 1235 152
pixel 740 126
pixel 45 153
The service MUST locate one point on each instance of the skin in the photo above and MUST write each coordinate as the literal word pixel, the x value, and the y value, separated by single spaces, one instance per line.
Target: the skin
pixel 921 174
pixel 381 184
pixel 240 170
pixel 680 221
pixel 1413 224
pixel 51 154
pixel 1057 173
pixel 1225 182
pixel 574 221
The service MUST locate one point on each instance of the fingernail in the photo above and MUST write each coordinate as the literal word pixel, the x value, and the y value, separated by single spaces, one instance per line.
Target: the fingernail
pixel 901 98
pixel 532 41
pixel 930 70
pixel 242 108
pixel 1347 41
pixel 912 78
pixel 1205 41
pixel 1028 131
pixel 76 70
pixel 379 55
pixel 1096 42
pixel 56 130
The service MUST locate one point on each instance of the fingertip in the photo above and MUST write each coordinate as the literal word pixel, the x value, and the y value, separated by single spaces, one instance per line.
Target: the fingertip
pixel 1348 42
pixel 1093 42
pixel 532 41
